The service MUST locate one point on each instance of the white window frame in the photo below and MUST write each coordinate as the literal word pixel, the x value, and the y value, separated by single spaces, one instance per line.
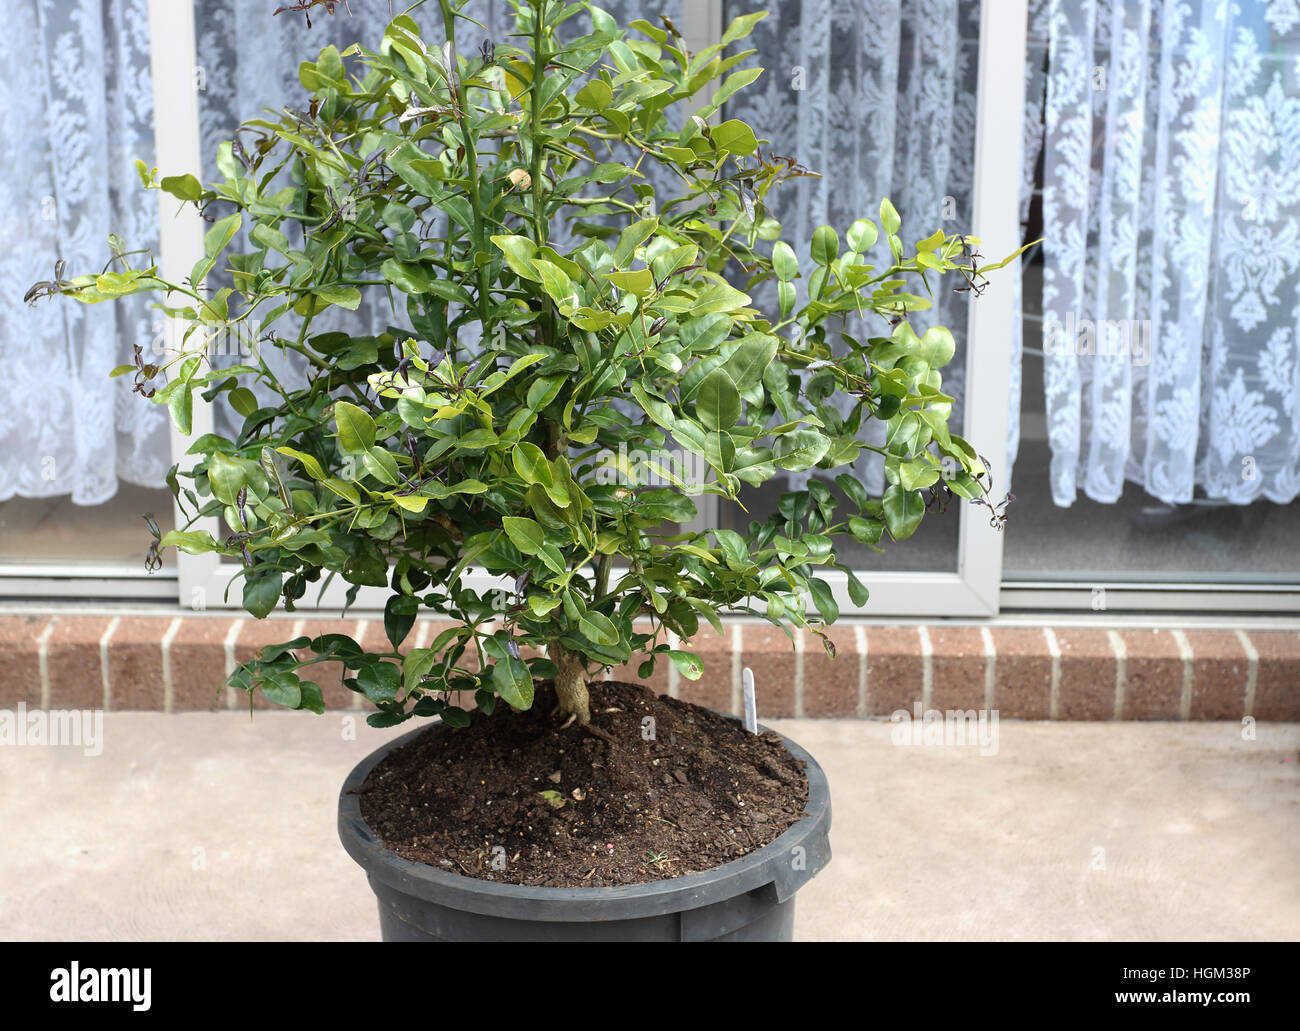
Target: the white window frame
pixel 974 589
pixel 971 590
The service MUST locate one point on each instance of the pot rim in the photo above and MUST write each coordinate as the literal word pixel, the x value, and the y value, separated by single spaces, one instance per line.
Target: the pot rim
pixel 770 864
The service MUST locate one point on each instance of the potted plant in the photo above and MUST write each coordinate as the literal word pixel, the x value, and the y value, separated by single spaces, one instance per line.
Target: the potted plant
pixel 552 314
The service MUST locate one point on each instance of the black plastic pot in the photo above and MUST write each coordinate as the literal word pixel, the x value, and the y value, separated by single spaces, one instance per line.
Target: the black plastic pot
pixel 750 899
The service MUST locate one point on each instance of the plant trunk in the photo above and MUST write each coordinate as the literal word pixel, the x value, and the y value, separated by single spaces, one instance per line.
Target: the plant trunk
pixel 570 684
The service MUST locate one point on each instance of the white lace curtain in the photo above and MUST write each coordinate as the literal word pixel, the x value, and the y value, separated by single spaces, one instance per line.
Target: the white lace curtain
pixel 1171 211
pixel 1171 139
pixel 76 110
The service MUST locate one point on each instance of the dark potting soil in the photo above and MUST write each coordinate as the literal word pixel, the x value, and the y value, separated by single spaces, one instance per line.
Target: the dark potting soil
pixel 639 800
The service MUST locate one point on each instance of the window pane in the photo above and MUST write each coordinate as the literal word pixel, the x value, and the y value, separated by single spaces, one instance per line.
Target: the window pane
pixel 879 99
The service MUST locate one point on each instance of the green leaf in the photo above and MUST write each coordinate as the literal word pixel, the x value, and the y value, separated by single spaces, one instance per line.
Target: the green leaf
pixel 348 297
pixel 889 220
pixel 718 401
pixel 406 276
pixel 519 252
pixel 688 664
pixel 281 688
pixel 525 534
pixel 631 238
pixel 399 616
pixel 415 664
pixel 226 476
pixel 853 489
pixel 454 716
pixel 742 26
pixel 917 474
pixel 750 359
pixel 311 699
pixel 903 510
pixel 937 347
pixel 824 599
pixel 192 542
pixel 800 450
pixel 858 592
pixel 308 462
pixel 784 261
pixel 244 401
pixel 221 233
pixel 598 629
pixel 379 681
pixel 861 235
pixel 356 427
pixel 531 464
pixel 825 245
pixel 639 281
pixel 182 187
pixel 734 137
pixel 513 682
pixel 261 592
pixel 596 95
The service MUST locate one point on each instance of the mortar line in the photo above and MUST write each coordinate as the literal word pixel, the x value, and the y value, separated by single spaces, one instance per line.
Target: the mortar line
pixel 990 668
pixel 860 637
pixel 1252 672
pixel 927 668
pixel 1189 657
pixel 1054 649
pixel 1121 670
pixel 169 690
pixel 103 661
pixel 228 649
pixel 43 661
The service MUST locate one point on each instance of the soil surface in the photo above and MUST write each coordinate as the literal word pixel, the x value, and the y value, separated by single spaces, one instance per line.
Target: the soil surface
pixel 652 788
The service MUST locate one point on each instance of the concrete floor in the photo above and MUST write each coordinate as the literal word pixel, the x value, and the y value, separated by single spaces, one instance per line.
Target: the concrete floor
pixel 209 826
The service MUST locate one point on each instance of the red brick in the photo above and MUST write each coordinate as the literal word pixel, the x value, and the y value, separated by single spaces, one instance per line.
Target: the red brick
pixel 1153 675
pixel 198 664
pixel 135 666
pixel 1277 691
pixel 830 685
pixel 1219 674
pixel 76 673
pixel 1022 686
pixel 714 688
pixel 771 655
pixel 19 638
pixel 1087 690
pixel 958 662
pixel 894 674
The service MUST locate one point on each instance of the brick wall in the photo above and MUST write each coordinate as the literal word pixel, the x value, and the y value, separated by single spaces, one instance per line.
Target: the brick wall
pixel 174 663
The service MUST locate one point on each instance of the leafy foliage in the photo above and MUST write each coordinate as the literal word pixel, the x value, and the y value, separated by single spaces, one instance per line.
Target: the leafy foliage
pixel 489 427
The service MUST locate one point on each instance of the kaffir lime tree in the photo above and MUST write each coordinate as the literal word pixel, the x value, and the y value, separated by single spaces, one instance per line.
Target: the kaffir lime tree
pixel 489 427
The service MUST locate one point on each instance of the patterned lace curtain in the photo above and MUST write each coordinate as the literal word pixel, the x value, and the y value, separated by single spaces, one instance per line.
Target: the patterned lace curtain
pixel 1171 213
pixel 76 110
pixel 878 96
